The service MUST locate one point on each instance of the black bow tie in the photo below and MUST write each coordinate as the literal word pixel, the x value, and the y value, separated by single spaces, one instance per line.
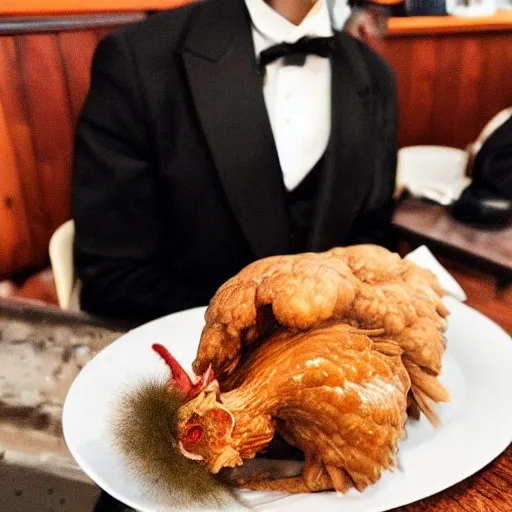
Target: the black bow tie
pixel 295 53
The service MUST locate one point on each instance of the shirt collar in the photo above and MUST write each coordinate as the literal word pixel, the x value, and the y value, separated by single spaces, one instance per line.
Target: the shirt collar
pixel 276 28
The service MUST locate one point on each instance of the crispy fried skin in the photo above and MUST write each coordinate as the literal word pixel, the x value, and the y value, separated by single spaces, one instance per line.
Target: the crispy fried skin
pixel 364 286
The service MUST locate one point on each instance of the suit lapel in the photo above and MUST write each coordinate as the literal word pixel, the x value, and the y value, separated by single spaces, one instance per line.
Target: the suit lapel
pixel 221 68
pixel 348 158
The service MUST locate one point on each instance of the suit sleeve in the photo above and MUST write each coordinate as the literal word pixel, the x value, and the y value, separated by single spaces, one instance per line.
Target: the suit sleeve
pixel 373 225
pixel 119 228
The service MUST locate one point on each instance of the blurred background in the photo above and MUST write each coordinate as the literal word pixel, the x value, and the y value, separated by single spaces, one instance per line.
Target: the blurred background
pixel 453 63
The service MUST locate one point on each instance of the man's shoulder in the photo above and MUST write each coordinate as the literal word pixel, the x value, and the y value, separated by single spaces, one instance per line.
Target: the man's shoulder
pixel 377 67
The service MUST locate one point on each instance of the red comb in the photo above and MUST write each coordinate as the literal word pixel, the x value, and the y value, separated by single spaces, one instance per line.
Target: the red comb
pixel 180 377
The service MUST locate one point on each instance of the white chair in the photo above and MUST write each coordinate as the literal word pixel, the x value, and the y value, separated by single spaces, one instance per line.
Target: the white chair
pixel 441 173
pixel 435 172
pixel 61 258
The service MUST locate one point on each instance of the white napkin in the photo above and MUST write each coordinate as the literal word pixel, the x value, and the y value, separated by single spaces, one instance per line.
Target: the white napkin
pixel 424 258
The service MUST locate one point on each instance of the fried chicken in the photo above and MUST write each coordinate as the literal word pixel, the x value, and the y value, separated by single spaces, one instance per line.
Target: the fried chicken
pixel 332 351
pixel 365 286
pixel 330 391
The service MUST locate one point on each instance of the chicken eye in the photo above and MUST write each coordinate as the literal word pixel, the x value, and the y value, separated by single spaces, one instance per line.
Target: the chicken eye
pixel 194 434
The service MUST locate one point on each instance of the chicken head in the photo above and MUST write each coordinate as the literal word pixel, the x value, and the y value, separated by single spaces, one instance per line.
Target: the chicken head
pixel 204 424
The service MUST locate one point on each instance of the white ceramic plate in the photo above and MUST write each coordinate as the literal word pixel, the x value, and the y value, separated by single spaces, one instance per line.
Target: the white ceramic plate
pixel 476 425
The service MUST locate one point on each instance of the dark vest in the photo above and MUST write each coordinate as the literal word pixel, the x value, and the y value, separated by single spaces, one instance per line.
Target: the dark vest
pixel 301 208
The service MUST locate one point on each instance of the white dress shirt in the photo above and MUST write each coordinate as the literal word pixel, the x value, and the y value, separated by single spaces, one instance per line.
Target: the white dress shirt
pixel 298 99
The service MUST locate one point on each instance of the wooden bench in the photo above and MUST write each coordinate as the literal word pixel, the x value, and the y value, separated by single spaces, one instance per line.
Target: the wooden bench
pixel 44 78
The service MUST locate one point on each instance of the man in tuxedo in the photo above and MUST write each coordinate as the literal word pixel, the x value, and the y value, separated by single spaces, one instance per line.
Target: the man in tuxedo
pixel 206 143
pixel 209 139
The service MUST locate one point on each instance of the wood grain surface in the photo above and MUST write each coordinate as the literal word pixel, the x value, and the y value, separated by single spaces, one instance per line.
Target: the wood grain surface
pixel 449 84
pixel 44 79
pixel 489 490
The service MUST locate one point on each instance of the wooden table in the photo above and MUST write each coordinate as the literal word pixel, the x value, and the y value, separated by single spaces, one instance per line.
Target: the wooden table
pixel 421 222
pixel 489 490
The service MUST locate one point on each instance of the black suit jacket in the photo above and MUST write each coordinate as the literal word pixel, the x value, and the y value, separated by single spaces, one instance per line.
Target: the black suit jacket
pixel 177 183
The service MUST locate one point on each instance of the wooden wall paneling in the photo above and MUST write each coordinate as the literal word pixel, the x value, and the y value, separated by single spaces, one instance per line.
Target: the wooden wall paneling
pixel 14 230
pixel 468 64
pixel 20 199
pixel 49 115
pixel 44 78
pixel 497 76
pixel 414 101
pixel 77 64
pixel 449 85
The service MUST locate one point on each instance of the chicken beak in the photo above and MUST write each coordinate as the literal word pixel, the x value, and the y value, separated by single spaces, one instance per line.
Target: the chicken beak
pixel 203 383
pixel 228 458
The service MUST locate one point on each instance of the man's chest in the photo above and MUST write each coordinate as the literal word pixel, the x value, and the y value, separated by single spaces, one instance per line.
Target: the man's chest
pixel 298 101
